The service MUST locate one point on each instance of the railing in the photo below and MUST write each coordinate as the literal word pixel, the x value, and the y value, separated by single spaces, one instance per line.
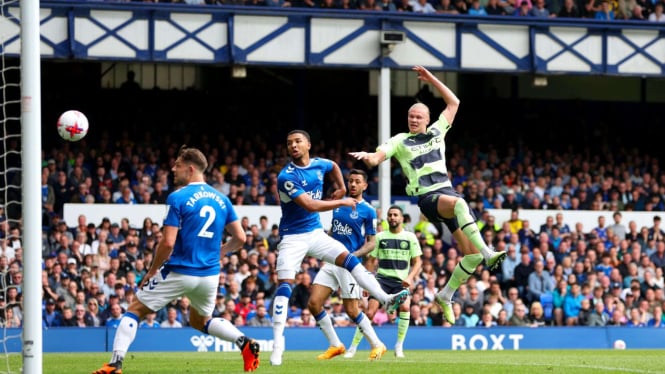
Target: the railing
pixel 343 39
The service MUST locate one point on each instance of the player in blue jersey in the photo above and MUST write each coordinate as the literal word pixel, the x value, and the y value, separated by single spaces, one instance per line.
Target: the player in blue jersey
pixel 355 228
pixel 187 262
pixel 300 185
pixel 421 154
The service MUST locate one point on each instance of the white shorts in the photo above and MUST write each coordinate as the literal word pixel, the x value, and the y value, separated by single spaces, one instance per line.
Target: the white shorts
pixel 333 277
pixel 294 248
pixel 160 291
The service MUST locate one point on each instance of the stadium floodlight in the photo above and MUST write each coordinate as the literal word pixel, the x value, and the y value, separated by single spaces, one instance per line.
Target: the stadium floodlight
pixel 239 71
pixel 540 81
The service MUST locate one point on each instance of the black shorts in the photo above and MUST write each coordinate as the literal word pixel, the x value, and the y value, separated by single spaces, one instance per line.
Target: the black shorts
pixel 389 285
pixel 428 206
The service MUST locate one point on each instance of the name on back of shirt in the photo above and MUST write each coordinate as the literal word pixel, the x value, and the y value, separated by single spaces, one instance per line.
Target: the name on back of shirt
pixel 205 195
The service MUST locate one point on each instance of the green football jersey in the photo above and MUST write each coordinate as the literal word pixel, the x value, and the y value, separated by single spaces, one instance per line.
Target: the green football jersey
pixel 394 252
pixel 422 157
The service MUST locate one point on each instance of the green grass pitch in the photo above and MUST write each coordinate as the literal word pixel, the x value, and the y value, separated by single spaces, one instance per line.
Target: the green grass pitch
pixel 447 362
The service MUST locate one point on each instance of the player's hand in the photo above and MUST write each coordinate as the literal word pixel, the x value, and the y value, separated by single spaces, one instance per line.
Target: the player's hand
pixel 352 203
pixel 406 283
pixel 359 155
pixel 424 74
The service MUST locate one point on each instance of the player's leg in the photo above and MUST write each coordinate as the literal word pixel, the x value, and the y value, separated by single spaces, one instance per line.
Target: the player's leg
pixel 402 327
pixel 450 205
pixel 161 289
pixel 372 306
pixel 351 294
pixel 460 275
pixel 457 216
pixel 292 250
pixel 330 250
pixel 202 299
pixel 321 288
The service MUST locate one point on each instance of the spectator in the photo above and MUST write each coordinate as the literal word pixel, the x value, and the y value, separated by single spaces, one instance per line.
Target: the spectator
pixel 539 10
pixel 584 313
pixel 92 309
pixel 338 315
pixel 658 257
pixel 521 273
pixel 51 317
pixel 171 319
pixel 81 317
pixel 572 303
pixel 493 8
pixel 150 322
pixel 305 319
pixel 657 320
pixel 404 6
pixel 598 317
pixel 519 317
pixel 605 12
pixel 261 318
pixel 469 316
pixel 476 9
pixel 537 315
pixel 635 319
pixel 540 282
pixel 657 15
pixel 461 6
pixel 446 7
pixel 486 319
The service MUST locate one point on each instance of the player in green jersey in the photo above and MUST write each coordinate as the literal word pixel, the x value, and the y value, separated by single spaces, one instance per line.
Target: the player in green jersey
pixel 421 154
pixel 397 256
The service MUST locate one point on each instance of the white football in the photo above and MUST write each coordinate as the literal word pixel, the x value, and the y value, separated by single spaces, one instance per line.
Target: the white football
pixel 72 125
pixel 619 344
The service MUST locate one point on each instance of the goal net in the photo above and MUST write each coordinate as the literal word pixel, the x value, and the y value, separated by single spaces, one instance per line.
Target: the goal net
pixel 20 202
pixel 10 183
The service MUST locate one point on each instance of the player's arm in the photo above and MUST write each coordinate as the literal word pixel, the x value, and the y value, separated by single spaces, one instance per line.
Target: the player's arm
pixel 237 240
pixel 312 205
pixel 371 159
pixel 162 253
pixel 367 247
pixel 416 265
pixel 449 97
pixel 338 179
pixel 371 263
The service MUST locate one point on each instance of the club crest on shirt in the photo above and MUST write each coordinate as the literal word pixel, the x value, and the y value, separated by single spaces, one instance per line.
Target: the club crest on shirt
pixel 288 186
pixel 354 214
pixel 319 175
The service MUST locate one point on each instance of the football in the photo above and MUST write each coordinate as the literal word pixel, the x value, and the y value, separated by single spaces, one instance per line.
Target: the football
pixel 72 125
pixel 619 344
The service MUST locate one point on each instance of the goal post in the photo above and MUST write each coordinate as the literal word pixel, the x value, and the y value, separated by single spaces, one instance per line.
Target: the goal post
pixel 31 113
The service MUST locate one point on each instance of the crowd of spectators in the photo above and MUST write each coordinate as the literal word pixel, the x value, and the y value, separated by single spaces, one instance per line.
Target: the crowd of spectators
pixel 557 272
pixel 609 10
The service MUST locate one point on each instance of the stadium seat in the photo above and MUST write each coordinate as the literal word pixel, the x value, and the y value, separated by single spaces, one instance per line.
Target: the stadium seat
pixel 548 306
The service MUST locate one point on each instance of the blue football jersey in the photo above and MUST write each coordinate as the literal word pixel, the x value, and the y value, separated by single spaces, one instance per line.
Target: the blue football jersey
pixel 200 212
pixel 294 181
pixel 350 226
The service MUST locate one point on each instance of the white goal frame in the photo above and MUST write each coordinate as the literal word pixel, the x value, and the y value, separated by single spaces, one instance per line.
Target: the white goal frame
pixel 31 112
